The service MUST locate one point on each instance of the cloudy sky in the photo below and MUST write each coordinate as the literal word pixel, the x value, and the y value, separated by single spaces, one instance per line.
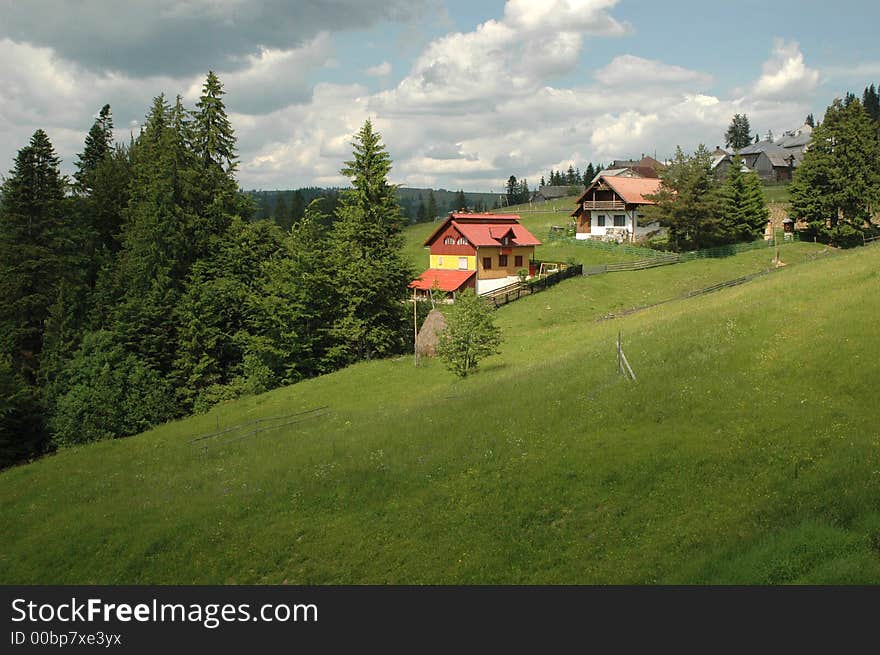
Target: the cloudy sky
pixel 464 92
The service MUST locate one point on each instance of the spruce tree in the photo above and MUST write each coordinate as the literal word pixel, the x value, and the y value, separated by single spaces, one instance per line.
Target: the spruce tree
pixel 98 146
pixel 687 202
pixel 513 190
pixel 461 203
pixel 37 249
pixel 744 212
pixel 840 174
pixel 365 244
pixel 737 135
pixel 432 206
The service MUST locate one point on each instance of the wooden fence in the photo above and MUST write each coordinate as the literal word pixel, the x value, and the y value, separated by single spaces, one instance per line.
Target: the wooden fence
pixel 504 295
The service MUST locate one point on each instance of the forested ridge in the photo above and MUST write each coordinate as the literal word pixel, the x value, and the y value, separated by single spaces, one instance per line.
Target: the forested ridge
pixel 147 288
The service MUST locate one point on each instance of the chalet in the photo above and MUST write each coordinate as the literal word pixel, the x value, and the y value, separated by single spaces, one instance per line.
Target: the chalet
pixel 610 208
pixel 477 251
pixel 771 161
pixel 644 167
pixel 547 193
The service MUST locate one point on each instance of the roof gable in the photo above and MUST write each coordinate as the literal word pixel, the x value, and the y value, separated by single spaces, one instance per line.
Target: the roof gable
pixel 632 190
pixel 483 230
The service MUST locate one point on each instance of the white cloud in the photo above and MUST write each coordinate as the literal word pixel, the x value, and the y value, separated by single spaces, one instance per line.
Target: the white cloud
pixel 379 70
pixel 785 75
pixel 627 70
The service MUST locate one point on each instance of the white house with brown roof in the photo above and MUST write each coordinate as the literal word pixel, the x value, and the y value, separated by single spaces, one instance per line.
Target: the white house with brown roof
pixel 611 209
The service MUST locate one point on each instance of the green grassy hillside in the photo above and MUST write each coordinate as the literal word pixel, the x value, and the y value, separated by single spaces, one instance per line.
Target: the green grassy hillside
pixel 747 452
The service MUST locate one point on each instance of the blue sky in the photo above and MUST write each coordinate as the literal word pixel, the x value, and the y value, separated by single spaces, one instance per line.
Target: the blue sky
pixel 464 93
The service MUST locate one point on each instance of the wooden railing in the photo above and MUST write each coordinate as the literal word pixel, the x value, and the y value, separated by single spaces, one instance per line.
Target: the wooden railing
pixel 607 205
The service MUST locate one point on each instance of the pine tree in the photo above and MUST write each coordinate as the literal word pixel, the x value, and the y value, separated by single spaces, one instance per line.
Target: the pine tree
pixel 213 138
pixel 542 182
pixel 461 201
pixel 810 120
pixel 569 175
pixel 687 202
pixel 22 433
pixel 281 214
pixel 840 174
pixel 296 303
pixel 871 102
pixel 364 254
pixel 98 146
pixel 589 174
pixel 37 248
pixel 513 190
pixel 432 206
pixel 744 212
pixel 524 194
pixel 422 212
pixel 737 135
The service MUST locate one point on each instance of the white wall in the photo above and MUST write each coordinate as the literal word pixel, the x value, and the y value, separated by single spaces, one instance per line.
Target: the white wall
pixel 485 286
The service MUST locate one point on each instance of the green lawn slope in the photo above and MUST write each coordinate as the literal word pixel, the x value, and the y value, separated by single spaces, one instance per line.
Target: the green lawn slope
pixel 747 452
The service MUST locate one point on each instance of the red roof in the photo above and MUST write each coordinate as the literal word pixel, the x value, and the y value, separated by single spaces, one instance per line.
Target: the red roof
pixel 446 279
pixel 634 189
pixel 491 235
pixel 487 229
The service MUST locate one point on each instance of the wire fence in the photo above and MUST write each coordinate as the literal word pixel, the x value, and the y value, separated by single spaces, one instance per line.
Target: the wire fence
pixel 239 431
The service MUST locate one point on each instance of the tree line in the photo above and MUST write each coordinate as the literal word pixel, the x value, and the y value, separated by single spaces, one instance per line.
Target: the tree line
pixel 146 288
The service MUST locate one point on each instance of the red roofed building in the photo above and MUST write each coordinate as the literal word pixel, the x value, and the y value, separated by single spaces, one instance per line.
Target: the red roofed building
pixel 611 208
pixel 478 251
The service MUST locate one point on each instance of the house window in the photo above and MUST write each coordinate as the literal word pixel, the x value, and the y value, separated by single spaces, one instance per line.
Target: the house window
pixel 487 263
pixel 505 241
pixel 619 220
pixel 462 263
pixel 517 261
pixel 462 241
pixel 502 260
pixel 600 220
pixel 449 241
pixel 439 261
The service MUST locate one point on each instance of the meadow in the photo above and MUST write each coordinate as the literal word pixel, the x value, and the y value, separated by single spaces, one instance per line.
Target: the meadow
pixel 747 452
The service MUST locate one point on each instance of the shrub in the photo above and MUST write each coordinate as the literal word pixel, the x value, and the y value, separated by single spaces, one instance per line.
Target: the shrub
pixel 470 336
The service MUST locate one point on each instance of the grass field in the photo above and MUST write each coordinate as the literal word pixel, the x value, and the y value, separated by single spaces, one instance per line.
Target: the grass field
pixel 747 452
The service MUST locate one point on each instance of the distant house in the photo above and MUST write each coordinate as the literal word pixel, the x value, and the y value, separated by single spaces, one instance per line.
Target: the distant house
pixel 770 161
pixel 722 161
pixel 478 251
pixel 616 172
pixel 644 167
pixel 611 208
pixel 775 161
pixel 545 193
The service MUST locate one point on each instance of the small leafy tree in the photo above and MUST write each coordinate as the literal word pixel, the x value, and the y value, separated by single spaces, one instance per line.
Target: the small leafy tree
pixel 471 334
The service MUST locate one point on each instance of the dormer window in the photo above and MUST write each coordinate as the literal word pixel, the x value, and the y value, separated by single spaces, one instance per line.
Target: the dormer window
pixel 505 241
pixel 462 241
pixel 449 241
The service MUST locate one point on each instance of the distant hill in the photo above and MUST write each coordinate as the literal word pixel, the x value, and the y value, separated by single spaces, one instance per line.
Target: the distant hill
pixel 294 201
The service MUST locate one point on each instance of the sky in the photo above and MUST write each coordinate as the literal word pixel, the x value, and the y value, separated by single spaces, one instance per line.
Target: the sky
pixel 464 93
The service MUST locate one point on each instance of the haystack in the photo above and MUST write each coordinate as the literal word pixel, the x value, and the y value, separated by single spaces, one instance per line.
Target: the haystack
pixel 429 335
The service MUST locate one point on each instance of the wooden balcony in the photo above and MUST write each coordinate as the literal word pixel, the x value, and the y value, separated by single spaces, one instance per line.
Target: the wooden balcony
pixel 604 205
